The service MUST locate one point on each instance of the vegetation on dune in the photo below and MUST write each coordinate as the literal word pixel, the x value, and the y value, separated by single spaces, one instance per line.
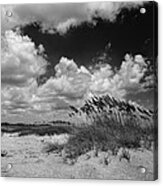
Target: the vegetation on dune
pixel 107 107
pixel 112 124
pixel 107 137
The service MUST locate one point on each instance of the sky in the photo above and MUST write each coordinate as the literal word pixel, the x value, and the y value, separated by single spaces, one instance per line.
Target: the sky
pixel 56 55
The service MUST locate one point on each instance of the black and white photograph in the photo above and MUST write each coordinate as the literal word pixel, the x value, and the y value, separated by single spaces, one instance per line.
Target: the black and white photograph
pixel 79 90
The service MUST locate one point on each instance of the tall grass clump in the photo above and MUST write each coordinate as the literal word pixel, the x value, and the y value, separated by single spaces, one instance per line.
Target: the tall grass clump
pixel 112 124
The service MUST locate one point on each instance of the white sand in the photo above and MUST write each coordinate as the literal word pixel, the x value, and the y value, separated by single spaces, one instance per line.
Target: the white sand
pixel 28 160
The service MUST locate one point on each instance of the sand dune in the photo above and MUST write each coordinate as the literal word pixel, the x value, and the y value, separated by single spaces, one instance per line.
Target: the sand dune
pixel 28 160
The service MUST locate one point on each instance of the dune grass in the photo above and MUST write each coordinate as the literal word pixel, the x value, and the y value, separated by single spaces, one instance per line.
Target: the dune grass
pixel 114 124
pixel 108 137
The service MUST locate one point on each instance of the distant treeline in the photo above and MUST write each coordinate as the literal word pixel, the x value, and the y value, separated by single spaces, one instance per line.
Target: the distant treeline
pixel 51 128
pixel 39 123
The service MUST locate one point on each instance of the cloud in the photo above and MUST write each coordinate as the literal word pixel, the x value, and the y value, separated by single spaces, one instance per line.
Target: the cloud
pixel 119 82
pixel 104 81
pixel 8 22
pixel 73 83
pixel 15 100
pixel 63 27
pixel 21 62
pixel 131 72
pixel 110 10
pixel 70 81
pixel 61 17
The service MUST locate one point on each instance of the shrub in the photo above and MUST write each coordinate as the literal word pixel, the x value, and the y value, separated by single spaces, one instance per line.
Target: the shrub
pixel 52 147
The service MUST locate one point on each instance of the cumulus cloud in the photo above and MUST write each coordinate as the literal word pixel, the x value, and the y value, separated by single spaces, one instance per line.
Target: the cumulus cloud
pixel 119 82
pixel 70 81
pixel 22 63
pixel 21 60
pixel 73 83
pixel 130 73
pixel 62 16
